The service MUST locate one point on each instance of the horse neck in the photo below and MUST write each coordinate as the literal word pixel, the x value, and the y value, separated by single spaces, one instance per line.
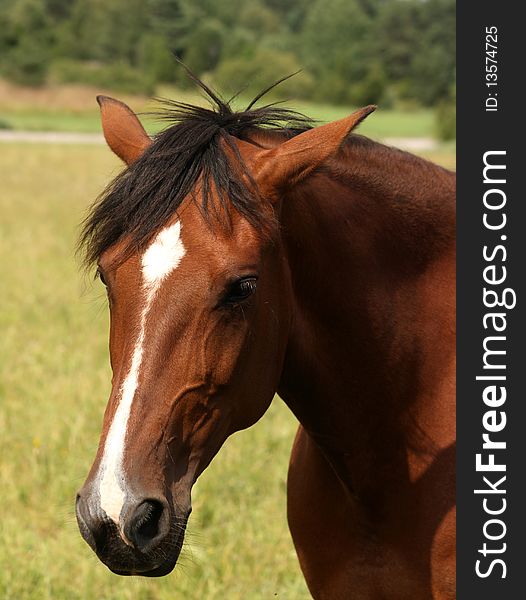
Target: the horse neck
pixel 369 241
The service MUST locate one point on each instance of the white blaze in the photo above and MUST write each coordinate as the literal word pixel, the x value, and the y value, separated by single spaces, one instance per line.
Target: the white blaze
pixel 160 258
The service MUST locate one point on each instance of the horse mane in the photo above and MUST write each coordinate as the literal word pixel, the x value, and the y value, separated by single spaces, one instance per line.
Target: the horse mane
pixel 139 201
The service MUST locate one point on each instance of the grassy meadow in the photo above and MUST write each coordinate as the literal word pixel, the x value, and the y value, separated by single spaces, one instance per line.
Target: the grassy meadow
pixel 73 108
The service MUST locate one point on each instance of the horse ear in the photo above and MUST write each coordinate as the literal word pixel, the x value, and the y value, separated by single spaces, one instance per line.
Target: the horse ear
pixel 293 160
pixel 122 129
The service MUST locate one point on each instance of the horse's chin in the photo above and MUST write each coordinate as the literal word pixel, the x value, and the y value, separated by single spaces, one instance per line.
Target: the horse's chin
pixel 160 571
pixel 125 561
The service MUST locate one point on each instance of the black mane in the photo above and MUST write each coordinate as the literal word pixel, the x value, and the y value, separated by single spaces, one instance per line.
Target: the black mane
pixel 147 193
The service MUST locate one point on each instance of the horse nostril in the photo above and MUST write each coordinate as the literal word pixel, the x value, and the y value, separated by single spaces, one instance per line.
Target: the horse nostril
pixel 92 526
pixel 146 525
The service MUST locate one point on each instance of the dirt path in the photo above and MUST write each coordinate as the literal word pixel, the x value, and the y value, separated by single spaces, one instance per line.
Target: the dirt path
pixel 415 144
pixel 50 137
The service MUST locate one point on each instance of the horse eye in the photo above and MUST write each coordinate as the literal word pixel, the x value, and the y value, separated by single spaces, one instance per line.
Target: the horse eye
pixel 101 277
pixel 241 289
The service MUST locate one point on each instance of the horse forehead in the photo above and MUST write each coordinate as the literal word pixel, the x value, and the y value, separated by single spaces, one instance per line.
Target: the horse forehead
pixel 211 245
pixel 207 247
pixel 162 255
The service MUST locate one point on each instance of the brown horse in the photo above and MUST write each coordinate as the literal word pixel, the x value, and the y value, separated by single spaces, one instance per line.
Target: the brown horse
pixel 243 257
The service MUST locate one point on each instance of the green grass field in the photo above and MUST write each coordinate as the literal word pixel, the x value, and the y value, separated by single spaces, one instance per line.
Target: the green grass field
pixel 386 123
pixel 54 381
pixel 75 109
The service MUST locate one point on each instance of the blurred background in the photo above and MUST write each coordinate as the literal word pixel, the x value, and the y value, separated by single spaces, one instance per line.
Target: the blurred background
pixel 55 56
pixel 399 54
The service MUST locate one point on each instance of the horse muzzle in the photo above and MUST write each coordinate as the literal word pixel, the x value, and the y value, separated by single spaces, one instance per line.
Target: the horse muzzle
pixel 147 541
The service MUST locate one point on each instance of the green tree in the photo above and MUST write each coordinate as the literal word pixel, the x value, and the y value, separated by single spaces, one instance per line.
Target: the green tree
pixel 252 74
pixel 203 45
pixel 27 43
pixel 106 31
pixel 334 47
pixel 434 53
pixel 415 43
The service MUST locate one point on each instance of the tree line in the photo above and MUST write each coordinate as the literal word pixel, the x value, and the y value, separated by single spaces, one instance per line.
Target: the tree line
pixel 349 51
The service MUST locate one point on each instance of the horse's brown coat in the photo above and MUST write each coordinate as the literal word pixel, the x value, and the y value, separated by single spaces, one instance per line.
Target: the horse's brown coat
pixel 352 323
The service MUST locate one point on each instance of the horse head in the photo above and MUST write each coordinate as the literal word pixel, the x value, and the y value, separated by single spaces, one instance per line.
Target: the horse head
pixel 187 243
